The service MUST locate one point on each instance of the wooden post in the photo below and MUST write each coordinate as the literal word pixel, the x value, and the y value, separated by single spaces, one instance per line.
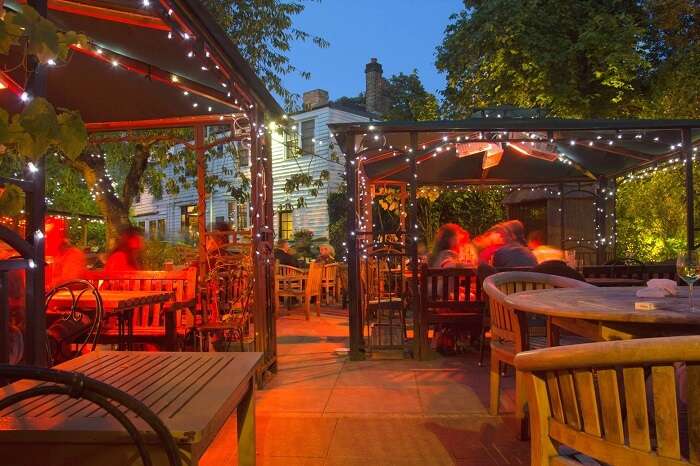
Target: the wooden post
pixel 562 223
pixel 420 349
pixel 601 223
pixel 357 343
pixel 35 331
pixel 687 142
pixel 201 201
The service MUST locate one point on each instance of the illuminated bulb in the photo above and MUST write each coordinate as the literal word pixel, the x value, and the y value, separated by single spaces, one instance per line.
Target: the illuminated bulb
pixel 24 97
pixel 51 62
pixel 190 54
pixel 186 93
pixel 115 63
pixel 195 105
pixel 31 263
pixel 209 108
pixel 146 2
pixel 32 168
pixel 186 36
pixel 174 78
pixel 170 35
pixel 572 142
pixel 371 127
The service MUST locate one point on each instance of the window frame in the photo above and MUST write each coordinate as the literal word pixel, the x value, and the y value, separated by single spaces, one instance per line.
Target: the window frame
pixel 286 224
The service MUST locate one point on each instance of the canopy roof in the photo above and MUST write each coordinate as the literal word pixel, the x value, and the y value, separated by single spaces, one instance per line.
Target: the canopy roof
pixel 148 63
pixel 513 151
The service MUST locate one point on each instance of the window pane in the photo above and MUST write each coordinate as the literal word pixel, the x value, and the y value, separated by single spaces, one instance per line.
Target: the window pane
pixel 286 225
pixel 152 229
pixel 291 144
pixel 161 228
pixel 307 134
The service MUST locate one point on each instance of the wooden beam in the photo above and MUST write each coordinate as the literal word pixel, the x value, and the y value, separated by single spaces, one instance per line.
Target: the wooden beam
pixel 109 14
pixel 201 200
pixel 173 122
pixel 616 150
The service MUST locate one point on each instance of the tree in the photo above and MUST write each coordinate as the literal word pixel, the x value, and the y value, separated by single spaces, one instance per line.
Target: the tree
pixel 264 32
pixel 408 100
pixel 576 59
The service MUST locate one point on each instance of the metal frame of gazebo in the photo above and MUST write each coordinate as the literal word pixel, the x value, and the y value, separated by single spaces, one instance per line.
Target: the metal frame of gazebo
pixel 148 65
pixel 496 151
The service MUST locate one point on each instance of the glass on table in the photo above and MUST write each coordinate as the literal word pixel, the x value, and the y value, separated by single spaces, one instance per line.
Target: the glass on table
pixel 688 268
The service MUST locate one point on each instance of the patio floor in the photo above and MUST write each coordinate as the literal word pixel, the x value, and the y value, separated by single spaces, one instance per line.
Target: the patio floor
pixel 321 409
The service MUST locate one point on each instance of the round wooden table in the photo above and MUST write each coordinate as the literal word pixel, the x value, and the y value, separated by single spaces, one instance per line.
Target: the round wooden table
pixel 609 313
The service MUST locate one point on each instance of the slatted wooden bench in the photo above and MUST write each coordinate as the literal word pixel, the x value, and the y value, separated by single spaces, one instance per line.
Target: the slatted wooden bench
pixel 161 324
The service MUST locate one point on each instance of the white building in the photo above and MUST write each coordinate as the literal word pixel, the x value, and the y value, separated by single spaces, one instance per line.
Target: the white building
pixel 174 217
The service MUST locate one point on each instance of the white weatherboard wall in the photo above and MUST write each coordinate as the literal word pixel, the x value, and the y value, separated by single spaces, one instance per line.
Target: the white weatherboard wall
pixel 314 216
pixel 149 209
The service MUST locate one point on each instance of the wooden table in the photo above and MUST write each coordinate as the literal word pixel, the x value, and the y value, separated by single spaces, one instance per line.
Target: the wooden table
pixel 608 313
pixel 121 303
pixel 194 394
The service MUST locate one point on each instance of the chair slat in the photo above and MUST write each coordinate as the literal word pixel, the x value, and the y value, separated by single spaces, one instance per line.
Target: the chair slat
pixel 636 404
pixel 610 405
pixel 585 388
pixel 665 411
pixel 568 399
pixel 555 397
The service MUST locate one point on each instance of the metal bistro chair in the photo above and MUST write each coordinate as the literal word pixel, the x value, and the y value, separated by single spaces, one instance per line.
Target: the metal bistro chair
pixel 73 324
pixel 508 335
pixel 618 402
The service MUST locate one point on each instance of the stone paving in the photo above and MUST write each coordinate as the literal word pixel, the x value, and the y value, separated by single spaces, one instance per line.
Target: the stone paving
pixel 321 409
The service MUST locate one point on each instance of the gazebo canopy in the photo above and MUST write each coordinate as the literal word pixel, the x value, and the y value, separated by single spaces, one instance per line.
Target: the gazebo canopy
pixel 513 151
pixel 148 64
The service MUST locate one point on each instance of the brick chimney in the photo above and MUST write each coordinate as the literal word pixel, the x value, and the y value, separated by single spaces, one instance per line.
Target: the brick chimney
pixel 314 99
pixel 374 87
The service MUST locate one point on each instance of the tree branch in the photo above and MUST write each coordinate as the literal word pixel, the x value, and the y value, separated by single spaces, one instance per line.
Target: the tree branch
pixel 133 178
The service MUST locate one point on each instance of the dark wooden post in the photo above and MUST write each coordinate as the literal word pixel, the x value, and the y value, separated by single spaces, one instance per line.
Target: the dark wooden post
pixel 562 218
pixel 201 201
pixel 687 142
pixel 35 332
pixel 601 220
pixel 420 348
pixel 269 248
pixel 357 343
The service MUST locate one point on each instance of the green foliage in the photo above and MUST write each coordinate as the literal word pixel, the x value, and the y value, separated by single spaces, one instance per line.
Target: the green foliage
pixel 337 219
pixel 651 215
pixel 264 33
pixel 475 209
pixel 408 100
pixel 305 245
pixel 157 253
pixel 576 59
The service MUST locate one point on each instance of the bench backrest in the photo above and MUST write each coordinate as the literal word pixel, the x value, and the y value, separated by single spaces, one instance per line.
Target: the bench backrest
pixel 618 402
pixel 450 289
pixel 182 282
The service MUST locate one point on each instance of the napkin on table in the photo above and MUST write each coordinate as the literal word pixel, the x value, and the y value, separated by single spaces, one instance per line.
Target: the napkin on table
pixel 658 288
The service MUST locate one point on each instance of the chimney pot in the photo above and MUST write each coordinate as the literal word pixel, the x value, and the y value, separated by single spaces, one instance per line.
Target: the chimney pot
pixel 374 86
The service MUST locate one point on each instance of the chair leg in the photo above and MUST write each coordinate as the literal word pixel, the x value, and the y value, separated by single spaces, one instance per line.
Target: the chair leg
pixel 494 385
pixel 482 346
pixel 307 307
pixel 520 402
pixel 318 306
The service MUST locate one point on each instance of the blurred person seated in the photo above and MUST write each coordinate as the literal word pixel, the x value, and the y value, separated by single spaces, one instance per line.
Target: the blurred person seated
pixel 284 254
pixel 447 248
pixel 542 251
pixel 489 242
pixel 560 268
pixel 127 254
pixel 64 262
pixel 514 253
pixel 326 254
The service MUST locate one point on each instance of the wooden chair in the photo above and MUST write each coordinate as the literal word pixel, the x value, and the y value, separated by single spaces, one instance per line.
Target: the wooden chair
pixel 150 321
pixel 310 289
pixel 616 401
pixel 448 296
pixel 510 334
pixel 329 282
pixel 287 279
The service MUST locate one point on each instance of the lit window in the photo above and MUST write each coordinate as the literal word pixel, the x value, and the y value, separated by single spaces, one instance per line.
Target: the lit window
pixel 188 221
pixel 286 225
pixel 161 229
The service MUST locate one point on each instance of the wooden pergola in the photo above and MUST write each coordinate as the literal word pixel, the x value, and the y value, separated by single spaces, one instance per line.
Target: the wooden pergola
pixel 148 65
pixel 495 151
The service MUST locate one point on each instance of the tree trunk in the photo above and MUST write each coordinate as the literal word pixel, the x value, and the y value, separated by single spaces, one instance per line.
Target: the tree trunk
pixel 114 208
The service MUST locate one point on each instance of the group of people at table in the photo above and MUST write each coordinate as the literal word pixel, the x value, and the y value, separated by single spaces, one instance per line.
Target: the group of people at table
pixel 503 245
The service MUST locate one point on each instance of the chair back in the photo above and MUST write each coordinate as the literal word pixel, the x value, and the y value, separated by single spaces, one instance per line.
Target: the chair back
pixel 450 289
pixel 313 280
pixel 504 321
pixel 619 402
pixel 288 270
pixel 330 272
pixel 182 282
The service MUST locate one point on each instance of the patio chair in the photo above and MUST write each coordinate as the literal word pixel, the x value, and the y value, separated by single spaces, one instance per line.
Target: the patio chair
pixel 287 279
pixel 329 282
pixel 618 402
pixel 509 333
pixel 310 289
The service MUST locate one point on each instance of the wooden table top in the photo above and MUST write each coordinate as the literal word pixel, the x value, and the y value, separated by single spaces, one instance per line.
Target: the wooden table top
pixel 611 281
pixel 192 393
pixel 114 300
pixel 615 304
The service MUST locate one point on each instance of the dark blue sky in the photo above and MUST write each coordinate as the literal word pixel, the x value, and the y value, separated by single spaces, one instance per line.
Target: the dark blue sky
pixel 401 34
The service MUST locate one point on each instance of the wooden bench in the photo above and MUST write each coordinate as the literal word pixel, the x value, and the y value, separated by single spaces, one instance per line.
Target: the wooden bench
pixel 162 324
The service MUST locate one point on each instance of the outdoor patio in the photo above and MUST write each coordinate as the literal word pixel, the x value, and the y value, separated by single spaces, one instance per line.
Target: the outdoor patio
pixel 319 408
